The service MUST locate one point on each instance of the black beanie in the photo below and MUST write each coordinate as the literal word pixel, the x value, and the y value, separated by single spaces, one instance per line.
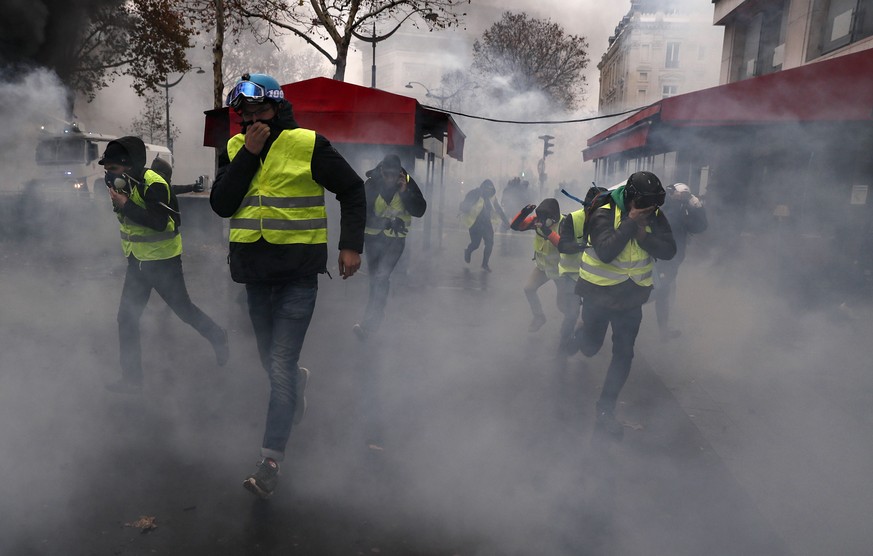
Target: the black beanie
pixel 115 153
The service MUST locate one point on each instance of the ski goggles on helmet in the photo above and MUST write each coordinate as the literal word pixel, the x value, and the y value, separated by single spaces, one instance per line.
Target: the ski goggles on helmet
pixel 250 91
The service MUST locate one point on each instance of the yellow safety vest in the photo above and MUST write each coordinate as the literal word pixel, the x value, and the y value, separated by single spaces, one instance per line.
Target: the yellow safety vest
pixel 143 242
pixel 546 255
pixel 632 263
pixel 570 262
pixel 283 204
pixel 395 209
pixel 469 217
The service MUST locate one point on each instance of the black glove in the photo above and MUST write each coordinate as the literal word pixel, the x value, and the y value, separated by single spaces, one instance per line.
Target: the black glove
pixel 396 225
pixel 525 212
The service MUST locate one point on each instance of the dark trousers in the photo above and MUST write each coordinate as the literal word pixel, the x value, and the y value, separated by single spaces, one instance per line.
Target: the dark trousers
pixel 165 277
pixel 480 232
pixel 625 327
pixel 280 315
pixel 382 253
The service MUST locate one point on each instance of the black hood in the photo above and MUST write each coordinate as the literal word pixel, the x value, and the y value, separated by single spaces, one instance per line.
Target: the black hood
pixel 284 117
pixel 135 148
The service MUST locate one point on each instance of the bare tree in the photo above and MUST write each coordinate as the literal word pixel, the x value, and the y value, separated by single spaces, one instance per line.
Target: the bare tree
pixel 248 53
pixel 526 54
pixel 151 124
pixel 339 21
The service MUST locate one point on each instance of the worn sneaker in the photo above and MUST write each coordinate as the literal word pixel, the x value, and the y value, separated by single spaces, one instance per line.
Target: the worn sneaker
pixel 300 406
pixel 360 332
pixel 222 350
pixel 124 386
pixel 607 422
pixel 263 481
pixel 537 323
pixel 467 255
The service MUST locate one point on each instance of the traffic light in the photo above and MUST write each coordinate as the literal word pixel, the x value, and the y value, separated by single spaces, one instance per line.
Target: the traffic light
pixel 547 145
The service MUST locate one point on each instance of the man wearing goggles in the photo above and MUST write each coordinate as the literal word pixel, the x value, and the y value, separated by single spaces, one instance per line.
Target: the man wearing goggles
pixel 626 232
pixel 272 190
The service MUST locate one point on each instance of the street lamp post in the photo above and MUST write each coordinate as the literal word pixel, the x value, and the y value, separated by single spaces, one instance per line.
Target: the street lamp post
pixel 373 39
pixel 166 85
pixel 429 94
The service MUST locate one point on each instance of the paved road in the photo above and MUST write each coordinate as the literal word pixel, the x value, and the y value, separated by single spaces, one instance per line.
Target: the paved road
pixel 486 438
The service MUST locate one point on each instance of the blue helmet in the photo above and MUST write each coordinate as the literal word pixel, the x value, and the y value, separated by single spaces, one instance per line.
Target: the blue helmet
pixel 255 88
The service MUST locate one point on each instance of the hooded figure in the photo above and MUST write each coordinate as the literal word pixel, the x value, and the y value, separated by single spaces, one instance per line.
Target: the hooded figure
pixel 148 216
pixel 687 217
pixel 480 212
pixel 393 200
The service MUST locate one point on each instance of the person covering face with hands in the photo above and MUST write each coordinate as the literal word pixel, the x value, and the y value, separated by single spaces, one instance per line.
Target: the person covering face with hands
pixel 626 231
pixel 272 190
pixel 393 199
pixel 149 219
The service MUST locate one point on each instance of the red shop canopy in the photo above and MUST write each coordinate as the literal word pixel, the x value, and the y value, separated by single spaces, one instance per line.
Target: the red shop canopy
pixel 835 90
pixel 351 114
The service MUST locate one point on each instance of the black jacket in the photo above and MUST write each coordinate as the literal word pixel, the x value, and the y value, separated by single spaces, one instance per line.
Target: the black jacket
pixel 608 241
pixel 154 215
pixel 263 262
pixel 412 199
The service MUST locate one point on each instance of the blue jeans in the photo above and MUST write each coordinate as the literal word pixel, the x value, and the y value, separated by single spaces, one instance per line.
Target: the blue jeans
pixel 382 253
pixel 280 315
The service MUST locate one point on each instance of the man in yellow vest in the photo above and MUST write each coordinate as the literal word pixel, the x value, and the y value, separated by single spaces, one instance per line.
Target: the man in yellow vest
pixel 148 215
pixel 571 244
pixel 479 213
pixel 544 220
pixel 393 199
pixel 626 233
pixel 272 190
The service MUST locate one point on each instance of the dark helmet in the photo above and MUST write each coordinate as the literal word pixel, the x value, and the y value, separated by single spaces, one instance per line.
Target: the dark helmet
pixel 644 189
pixel 548 211
pixel 255 88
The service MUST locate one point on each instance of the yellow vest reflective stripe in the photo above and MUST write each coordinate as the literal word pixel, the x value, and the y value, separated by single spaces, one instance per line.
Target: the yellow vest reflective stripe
pixel 570 262
pixel 633 263
pixel 283 204
pixel 144 243
pixel 393 210
pixel 546 254
pixel 469 217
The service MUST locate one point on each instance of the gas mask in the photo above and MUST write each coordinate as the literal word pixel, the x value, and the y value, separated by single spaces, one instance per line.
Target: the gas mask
pixel 119 182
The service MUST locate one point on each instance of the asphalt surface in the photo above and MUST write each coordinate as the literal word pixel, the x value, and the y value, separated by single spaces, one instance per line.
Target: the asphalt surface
pixel 455 431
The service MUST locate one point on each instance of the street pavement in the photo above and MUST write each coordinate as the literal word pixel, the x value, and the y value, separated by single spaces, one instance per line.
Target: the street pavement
pixel 454 431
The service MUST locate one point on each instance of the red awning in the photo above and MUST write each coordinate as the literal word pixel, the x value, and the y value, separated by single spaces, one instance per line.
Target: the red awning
pixel 351 114
pixel 619 143
pixel 835 90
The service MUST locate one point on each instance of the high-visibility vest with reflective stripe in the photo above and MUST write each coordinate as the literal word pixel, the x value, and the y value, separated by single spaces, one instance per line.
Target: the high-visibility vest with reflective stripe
pixel 283 204
pixel 570 262
pixel 469 218
pixel 394 209
pixel 147 244
pixel 546 255
pixel 633 263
